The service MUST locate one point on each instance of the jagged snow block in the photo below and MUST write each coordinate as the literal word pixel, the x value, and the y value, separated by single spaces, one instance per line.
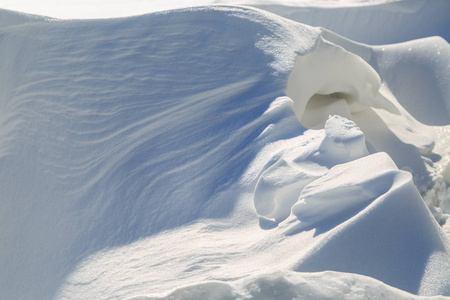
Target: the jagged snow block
pixel 344 188
pixel 280 184
pixel 343 140
pixel 391 236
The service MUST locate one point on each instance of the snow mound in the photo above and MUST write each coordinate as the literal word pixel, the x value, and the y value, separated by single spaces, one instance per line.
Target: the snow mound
pixel 287 173
pixel 345 188
pixel 144 154
pixel 120 129
pixel 340 78
pixel 291 285
pixel 11 18
pixel 343 141
pixel 379 24
pixel 387 209
pixel 331 80
pixel 421 72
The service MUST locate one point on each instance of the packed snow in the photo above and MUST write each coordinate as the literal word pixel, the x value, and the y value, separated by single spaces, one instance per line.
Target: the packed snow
pixel 227 152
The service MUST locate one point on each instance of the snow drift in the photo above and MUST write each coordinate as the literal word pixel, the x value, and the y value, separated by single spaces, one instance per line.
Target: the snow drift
pixel 293 285
pixel 194 150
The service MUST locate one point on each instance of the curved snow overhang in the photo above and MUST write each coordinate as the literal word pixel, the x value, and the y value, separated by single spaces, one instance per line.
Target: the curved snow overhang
pixel 333 81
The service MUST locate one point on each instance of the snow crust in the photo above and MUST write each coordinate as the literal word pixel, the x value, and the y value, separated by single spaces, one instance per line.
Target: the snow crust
pixel 221 152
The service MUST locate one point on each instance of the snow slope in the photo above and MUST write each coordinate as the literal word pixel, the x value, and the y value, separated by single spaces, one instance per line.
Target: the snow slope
pixel 368 21
pixel 382 23
pixel 169 155
pixel 93 9
pixel 293 285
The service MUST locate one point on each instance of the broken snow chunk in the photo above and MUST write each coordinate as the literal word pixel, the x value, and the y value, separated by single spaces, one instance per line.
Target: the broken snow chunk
pixel 343 141
pixel 345 189
pixel 446 174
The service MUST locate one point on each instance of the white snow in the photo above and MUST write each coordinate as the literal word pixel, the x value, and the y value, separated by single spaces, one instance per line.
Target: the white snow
pixel 346 187
pixel 225 152
pixel 293 285
pixel 91 9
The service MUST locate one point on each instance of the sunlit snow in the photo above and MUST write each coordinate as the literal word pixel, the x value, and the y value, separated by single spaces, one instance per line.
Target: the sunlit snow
pixel 280 150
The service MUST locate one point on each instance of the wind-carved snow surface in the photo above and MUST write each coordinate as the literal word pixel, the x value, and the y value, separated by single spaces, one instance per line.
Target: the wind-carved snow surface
pixel 280 184
pixel 343 83
pixel 215 152
pixel 292 285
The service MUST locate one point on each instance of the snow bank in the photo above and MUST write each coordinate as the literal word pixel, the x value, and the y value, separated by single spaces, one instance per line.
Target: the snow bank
pixel 340 77
pixel 331 80
pixel 290 285
pixel 143 154
pixel 362 216
pixel 10 18
pixel 379 24
pixel 116 130
pixel 421 68
pixel 346 187
pixel 372 189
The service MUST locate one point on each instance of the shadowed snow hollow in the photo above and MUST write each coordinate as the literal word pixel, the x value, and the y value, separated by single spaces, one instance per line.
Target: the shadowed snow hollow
pixel 340 78
pixel 331 80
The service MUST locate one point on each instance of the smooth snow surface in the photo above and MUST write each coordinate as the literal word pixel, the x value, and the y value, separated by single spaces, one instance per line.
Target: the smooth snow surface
pixel 89 9
pixel 390 22
pixel 222 152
